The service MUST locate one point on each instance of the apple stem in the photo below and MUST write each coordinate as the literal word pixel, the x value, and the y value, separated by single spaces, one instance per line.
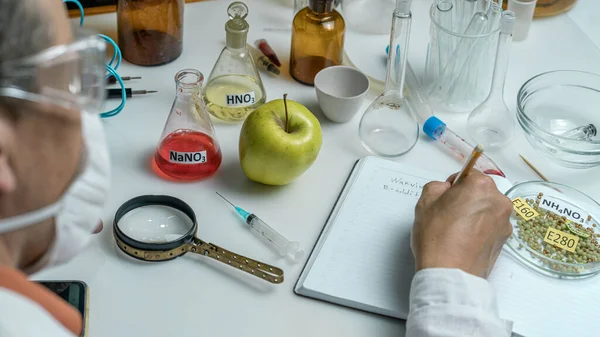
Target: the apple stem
pixel 287 127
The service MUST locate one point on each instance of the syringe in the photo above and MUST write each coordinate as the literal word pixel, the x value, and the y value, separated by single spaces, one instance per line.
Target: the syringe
pixel 437 130
pixel 283 246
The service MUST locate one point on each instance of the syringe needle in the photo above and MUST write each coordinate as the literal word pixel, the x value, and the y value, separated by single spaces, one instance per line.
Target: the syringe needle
pixel 280 243
pixel 229 202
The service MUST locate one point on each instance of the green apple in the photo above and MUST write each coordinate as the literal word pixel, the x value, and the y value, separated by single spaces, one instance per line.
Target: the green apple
pixel 279 141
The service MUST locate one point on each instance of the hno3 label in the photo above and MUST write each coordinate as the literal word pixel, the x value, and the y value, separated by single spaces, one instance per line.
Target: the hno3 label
pixel 240 99
pixel 187 157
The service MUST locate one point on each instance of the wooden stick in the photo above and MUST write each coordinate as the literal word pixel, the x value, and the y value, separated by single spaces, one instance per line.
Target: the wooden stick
pixel 533 168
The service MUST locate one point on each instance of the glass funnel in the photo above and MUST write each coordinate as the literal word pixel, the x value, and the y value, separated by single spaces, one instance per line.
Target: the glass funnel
pixel 188 149
pixel 389 128
pixel 491 123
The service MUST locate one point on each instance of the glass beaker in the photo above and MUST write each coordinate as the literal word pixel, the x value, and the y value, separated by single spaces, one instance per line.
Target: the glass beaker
pixel 150 31
pixel 460 65
pixel 188 148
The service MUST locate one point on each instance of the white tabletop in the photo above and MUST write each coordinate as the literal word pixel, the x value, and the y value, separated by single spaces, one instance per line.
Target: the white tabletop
pixel 191 296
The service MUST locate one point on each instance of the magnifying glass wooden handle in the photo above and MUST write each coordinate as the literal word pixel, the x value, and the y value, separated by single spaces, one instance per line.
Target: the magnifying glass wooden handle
pixel 261 270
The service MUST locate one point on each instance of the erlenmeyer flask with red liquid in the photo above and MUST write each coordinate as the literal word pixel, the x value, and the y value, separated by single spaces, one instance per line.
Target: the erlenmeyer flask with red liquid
pixel 188 149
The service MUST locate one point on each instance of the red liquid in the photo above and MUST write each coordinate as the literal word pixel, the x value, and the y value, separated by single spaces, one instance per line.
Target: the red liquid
pixel 268 51
pixel 495 172
pixel 187 141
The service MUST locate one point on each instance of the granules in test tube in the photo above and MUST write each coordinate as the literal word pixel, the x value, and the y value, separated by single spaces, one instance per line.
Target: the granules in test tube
pixel 264 47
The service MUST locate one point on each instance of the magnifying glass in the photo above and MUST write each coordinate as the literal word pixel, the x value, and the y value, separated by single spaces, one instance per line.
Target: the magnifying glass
pixel 161 228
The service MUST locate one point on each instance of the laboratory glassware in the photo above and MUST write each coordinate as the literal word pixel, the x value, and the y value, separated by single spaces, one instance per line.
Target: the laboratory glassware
pixel 283 246
pixel 458 147
pixel 554 103
pixel 317 40
pixel 266 49
pixel 460 56
pixel 388 128
pixel 262 62
pixel 365 15
pixel 586 132
pixel 150 32
pixel 491 123
pixel 234 88
pixel 188 149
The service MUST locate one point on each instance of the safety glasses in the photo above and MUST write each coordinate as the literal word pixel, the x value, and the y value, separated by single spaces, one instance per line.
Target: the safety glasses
pixel 71 76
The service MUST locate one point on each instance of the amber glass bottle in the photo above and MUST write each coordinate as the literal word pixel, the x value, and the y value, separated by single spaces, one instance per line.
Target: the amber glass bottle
pixel 150 31
pixel 317 40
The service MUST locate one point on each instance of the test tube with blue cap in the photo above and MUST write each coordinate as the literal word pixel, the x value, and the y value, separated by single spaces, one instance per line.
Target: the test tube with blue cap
pixel 460 148
pixel 283 246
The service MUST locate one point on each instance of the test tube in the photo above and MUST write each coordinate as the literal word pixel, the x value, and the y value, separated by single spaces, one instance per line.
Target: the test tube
pixel 445 43
pixel 457 146
pixel 481 51
pixel 494 13
pixel 461 55
pixel 523 10
pixel 483 5
pixel 457 12
pixel 470 9
pixel 415 96
pixel 262 62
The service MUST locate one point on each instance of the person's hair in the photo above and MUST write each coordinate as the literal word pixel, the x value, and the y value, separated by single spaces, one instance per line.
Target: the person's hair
pixel 24 29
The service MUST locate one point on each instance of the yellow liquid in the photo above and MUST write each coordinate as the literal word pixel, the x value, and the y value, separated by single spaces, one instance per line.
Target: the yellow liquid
pixel 233 97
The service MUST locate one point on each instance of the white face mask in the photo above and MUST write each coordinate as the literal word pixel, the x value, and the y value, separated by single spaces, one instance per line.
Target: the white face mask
pixel 78 212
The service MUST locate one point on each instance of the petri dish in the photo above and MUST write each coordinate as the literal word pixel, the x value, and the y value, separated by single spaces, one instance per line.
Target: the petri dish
pixel 563 239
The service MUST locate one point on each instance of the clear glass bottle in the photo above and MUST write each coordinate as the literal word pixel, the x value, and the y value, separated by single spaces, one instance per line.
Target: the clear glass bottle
pixel 234 88
pixel 491 123
pixel 188 149
pixel 150 31
pixel 389 128
pixel 317 40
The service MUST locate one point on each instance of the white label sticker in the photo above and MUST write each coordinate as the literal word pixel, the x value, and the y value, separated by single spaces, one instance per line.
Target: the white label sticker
pixel 563 208
pixel 187 157
pixel 240 99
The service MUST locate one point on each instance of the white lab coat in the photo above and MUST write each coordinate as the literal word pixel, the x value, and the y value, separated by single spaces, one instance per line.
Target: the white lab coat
pixel 443 303
pixel 453 303
pixel 22 317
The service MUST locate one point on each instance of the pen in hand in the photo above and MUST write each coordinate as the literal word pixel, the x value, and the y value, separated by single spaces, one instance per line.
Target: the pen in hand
pixel 477 151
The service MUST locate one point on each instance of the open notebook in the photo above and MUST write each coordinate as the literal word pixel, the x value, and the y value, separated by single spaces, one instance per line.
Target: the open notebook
pixel 363 260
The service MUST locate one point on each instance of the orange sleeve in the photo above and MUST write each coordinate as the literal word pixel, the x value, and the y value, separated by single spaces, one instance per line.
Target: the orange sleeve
pixel 62 311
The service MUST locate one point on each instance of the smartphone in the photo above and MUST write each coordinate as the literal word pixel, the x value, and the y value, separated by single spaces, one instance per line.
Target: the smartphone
pixel 73 292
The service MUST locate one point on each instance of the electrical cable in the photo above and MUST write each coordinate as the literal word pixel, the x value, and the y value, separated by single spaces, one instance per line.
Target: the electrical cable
pixel 111 70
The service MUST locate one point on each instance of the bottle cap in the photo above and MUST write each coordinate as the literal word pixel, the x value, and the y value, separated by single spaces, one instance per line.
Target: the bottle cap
pixel 237 27
pixel 434 127
pixel 321 6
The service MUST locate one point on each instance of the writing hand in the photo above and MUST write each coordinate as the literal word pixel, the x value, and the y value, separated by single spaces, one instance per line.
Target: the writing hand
pixel 463 226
